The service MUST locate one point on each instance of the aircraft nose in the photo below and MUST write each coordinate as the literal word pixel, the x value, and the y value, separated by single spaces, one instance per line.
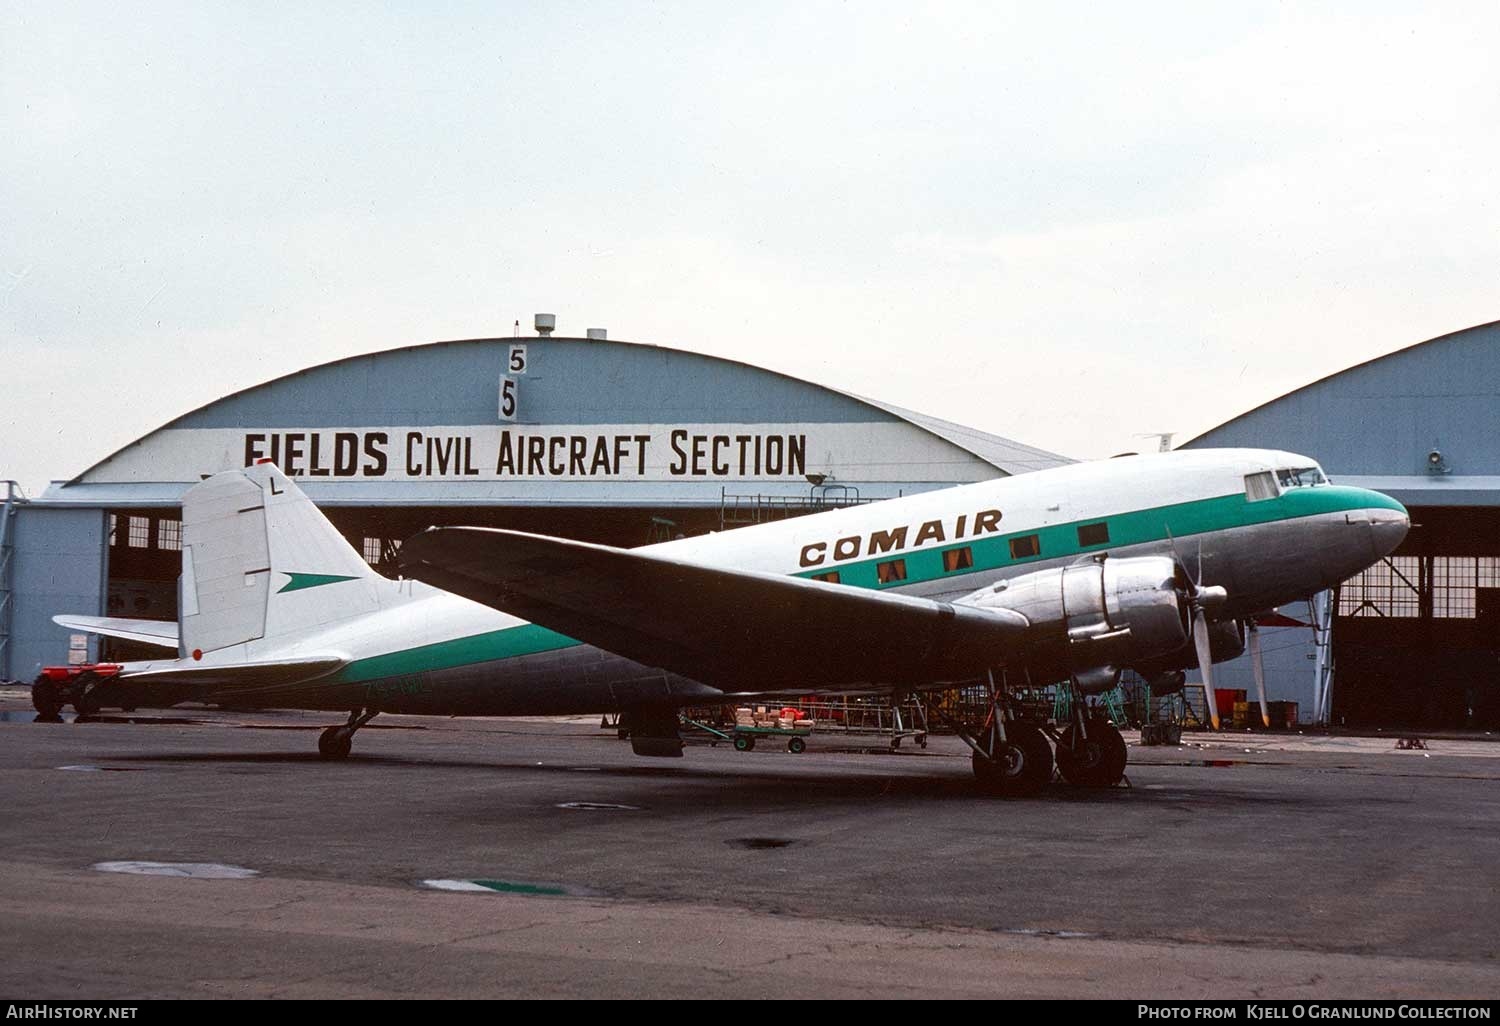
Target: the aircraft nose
pixel 1387 528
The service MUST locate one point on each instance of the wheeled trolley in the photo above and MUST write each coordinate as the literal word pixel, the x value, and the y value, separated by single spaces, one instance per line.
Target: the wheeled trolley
pixel 743 738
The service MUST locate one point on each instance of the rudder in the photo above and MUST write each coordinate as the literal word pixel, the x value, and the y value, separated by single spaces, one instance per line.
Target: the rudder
pixel 259 560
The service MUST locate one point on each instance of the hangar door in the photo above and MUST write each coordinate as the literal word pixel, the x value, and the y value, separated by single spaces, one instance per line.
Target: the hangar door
pixel 1416 638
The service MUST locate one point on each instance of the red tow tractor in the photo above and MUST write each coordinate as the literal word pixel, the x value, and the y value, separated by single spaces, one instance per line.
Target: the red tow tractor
pixel 85 687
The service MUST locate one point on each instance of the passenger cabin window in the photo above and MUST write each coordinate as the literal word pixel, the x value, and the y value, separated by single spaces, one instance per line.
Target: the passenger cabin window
pixel 1260 486
pixel 1093 534
pixel 958 559
pixel 1300 477
pixel 831 577
pixel 1021 548
pixel 891 572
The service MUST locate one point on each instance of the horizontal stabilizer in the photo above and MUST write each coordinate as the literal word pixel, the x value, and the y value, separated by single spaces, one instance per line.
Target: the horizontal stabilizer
pixel 242 677
pixel 731 629
pixel 147 632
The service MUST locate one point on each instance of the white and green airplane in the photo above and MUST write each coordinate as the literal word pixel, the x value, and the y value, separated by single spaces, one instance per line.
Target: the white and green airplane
pixel 1155 563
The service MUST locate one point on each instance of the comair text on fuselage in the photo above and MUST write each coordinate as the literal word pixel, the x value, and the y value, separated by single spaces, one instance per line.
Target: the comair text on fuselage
pixel 895 539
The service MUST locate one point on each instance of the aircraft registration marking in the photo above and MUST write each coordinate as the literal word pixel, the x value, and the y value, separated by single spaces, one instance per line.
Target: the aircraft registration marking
pixel 405 686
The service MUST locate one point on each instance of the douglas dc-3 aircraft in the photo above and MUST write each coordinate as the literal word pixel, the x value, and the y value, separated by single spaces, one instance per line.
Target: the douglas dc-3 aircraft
pixel 1156 563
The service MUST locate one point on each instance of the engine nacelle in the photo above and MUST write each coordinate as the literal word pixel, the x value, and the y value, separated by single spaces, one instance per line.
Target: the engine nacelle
pixel 1226 640
pixel 1090 619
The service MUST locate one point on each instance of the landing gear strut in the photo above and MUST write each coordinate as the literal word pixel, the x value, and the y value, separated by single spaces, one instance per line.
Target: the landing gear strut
pixel 1011 758
pixel 337 742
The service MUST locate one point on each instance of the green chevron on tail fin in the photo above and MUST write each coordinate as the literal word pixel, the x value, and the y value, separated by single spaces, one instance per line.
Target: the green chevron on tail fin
pixel 298 582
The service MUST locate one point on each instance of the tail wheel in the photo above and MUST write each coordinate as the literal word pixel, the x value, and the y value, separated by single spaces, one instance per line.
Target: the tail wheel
pixel 333 743
pixel 1021 764
pixel 1095 761
pixel 86 703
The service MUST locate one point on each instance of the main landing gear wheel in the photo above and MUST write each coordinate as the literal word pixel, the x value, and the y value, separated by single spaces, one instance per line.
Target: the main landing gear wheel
pixel 1097 761
pixel 1020 766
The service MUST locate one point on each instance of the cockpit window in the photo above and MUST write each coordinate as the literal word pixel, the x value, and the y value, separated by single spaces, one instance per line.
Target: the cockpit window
pixel 1300 477
pixel 1260 486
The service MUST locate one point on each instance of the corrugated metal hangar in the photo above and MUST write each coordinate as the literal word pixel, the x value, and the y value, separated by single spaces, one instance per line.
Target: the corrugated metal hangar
pixel 586 438
pixel 1415 640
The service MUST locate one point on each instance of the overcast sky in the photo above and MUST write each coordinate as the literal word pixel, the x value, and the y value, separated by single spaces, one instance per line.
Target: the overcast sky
pixel 1066 225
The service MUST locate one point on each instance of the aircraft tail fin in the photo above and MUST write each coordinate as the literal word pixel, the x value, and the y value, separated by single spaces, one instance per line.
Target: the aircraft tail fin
pixel 260 561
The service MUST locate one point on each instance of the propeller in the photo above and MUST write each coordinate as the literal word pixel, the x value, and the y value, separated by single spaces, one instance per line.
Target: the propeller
pixel 1205 661
pixel 1260 670
pixel 1200 600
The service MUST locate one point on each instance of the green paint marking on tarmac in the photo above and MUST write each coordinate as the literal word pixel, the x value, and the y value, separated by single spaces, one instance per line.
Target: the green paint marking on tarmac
pixel 510 887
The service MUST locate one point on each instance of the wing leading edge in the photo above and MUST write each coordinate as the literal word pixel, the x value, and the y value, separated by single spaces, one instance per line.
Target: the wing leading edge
pixel 736 630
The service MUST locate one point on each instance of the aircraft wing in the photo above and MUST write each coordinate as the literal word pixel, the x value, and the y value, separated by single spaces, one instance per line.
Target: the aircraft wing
pixel 150 632
pixel 731 629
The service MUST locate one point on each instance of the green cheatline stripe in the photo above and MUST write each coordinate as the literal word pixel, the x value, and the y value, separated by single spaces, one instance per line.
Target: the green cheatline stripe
pixel 507 887
pixel 526 639
pixel 297 582
pixel 1131 528
pixel 992 551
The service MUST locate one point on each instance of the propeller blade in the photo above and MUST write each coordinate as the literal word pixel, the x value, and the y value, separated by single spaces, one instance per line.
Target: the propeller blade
pixel 1205 662
pixel 1260 672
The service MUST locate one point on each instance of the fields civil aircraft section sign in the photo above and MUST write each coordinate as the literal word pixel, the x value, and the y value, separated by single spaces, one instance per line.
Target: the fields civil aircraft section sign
pixel 666 452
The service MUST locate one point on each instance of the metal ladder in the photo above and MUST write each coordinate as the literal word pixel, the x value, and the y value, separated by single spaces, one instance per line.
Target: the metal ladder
pixel 13 499
pixel 1113 702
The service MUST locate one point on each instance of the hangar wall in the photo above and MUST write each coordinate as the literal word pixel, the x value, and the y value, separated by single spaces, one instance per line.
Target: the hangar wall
pixel 1381 418
pixel 1415 639
pixel 60 564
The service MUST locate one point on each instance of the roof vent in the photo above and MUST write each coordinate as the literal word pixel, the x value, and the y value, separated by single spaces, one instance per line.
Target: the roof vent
pixel 544 324
pixel 598 335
